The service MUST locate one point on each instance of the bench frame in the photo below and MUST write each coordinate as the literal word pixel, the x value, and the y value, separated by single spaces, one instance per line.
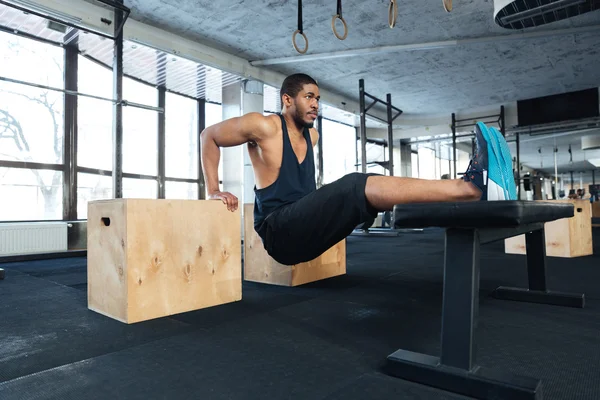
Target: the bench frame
pixel 456 369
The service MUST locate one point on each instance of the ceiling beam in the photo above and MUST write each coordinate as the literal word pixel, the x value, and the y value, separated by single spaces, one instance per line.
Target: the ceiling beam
pixel 424 46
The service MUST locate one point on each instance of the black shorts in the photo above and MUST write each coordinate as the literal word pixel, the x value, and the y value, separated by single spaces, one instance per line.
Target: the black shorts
pixel 302 231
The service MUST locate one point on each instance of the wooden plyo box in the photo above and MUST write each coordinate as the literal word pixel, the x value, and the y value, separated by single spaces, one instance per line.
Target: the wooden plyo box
pixel 260 267
pixel 596 209
pixel 567 237
pixel 153 258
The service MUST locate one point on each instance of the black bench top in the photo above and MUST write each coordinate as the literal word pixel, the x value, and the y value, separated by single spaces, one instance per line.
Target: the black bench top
pixel 479 214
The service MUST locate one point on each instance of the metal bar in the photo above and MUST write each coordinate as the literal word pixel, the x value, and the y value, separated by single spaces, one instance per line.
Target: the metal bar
pixel 374 98
pixel 356 164
pixel 461 297
pixel 31 165
pixel 320 151
pixel 536 259
pixel 201 127
pixel 70 133
pixel 92 171
pixel 518 142
pixel 397 115
pixel 118 67
pixel 180 180
pixel 454 142
pixel 363 126
pixel 162 99
pixel 76 93
pixel 478 118
pixel 139 176
pixel 468 125
pixel 501 122
pixel 370 106
pixel 390 135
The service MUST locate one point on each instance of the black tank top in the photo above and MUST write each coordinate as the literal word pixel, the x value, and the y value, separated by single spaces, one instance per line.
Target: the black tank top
pixel 295 179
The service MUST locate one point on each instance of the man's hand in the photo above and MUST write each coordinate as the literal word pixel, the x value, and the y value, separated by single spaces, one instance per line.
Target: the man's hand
pixel 227 198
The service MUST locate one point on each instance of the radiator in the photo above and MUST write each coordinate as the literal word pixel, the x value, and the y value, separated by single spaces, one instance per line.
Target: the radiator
pixel 32 237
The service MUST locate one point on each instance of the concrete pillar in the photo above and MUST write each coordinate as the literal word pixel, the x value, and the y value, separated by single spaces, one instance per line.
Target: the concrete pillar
pixel 252 101
pixel 233 157
pixel 238 175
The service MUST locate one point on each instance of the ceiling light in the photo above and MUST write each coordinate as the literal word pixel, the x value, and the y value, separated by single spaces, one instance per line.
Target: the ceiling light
pixel 590 142
pixel 595 162
pixel 518 14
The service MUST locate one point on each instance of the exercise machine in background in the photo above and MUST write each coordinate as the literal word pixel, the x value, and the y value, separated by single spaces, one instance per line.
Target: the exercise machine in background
pixel 384 226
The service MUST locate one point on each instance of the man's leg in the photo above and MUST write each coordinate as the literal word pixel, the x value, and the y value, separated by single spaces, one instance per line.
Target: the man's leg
pixel 384 192
pixel 489 177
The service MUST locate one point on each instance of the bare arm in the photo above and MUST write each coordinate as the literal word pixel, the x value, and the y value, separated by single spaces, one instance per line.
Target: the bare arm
pixel 251 127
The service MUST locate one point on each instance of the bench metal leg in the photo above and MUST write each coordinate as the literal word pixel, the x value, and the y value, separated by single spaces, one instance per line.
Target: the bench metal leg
pixel 456 369
pixel 536 272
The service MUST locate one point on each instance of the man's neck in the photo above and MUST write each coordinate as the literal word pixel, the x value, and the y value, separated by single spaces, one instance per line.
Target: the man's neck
pixel 292 127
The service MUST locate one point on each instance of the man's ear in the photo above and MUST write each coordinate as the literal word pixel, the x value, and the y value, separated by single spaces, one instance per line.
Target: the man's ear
pixel 287 100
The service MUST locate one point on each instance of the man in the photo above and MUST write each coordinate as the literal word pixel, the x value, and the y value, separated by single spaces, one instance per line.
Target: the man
pixel 297 222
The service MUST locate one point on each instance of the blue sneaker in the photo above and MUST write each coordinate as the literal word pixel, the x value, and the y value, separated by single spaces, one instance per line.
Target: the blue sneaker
pixel 491 167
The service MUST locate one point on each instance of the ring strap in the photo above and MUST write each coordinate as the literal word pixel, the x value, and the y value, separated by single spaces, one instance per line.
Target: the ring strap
pixel 300 16
pixel 339 8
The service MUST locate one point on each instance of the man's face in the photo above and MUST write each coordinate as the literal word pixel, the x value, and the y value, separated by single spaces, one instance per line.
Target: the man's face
pixel 305 107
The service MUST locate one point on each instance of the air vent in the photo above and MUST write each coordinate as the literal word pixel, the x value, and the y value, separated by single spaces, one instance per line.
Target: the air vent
pixel 521 14
pixel 591 142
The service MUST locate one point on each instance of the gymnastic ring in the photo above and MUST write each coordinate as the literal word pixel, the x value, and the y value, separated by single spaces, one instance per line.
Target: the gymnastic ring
pixel 447 5
pixel 294 41
pixel 392 13
pixel 337 16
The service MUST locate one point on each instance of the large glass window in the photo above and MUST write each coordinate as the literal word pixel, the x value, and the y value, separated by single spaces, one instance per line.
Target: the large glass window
pixel 140 188
pixel 181 190
pixel 140 129
pixel 427 163
pixel 30 194
pixel 89 188
pixel 31 119
pixel 339 150
pixel 31 129
pixel 414 164
pixel 95 117
pixel 181 137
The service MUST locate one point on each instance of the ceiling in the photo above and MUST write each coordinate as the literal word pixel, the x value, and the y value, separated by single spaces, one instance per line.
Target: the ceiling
pixel 436 81
pixel 537 152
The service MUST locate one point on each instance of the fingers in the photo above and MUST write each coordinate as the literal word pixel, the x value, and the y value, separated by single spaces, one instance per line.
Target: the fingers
pixel 230 201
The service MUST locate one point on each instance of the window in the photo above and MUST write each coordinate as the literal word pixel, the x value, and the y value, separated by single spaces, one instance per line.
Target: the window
pixel 181 190
pixel 31 130
pixel 95 117
pixel 339 150
pixel 140 129
pixel 181 137
pixel 140 188
pixel 89 188
pixel 426 163
pixel 30 194
pixel 31 119
pixel 414 164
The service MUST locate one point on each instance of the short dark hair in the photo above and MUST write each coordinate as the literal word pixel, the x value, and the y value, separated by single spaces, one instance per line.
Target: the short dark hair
pixel 292 85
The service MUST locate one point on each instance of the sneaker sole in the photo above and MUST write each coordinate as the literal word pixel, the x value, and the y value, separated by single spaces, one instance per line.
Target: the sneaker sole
pixel 496 190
